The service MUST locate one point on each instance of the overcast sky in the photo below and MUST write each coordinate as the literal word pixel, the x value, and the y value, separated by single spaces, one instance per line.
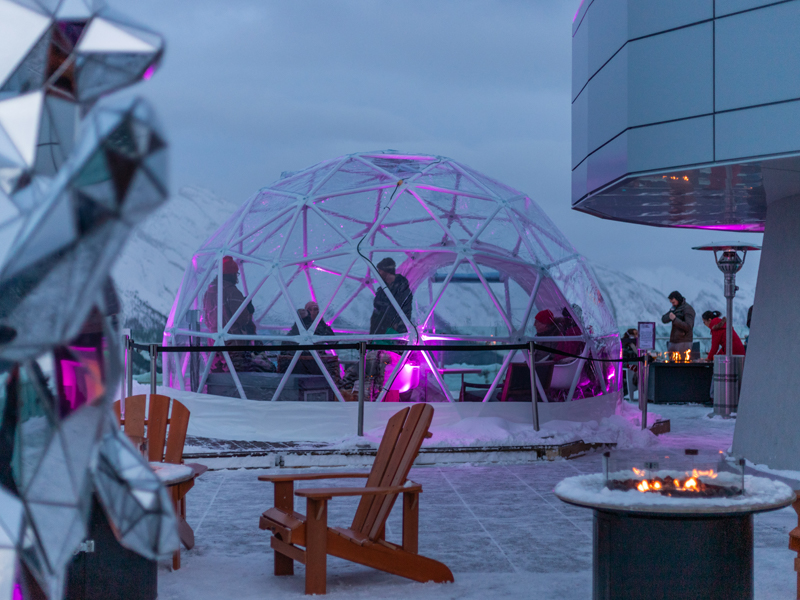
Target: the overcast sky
pixel 251 88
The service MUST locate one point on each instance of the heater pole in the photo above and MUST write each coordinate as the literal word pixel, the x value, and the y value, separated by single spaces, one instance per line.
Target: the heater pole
pixel 362 356
pixel 534 400
pixel 643 373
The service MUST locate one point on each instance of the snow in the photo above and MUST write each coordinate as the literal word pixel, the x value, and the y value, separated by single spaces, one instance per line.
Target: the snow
pixel 168 473
pixel 760 493
pixel 473 424
pixel 500 528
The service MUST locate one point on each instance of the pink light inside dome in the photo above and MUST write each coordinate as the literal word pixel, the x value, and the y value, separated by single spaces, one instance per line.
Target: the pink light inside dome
pixel 149 72
pixel 407 378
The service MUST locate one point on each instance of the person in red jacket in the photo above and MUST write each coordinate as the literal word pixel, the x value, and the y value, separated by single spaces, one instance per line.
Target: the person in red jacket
pixel 712 320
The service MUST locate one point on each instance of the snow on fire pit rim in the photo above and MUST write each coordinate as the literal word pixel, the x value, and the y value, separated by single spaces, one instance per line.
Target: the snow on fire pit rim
pixel 761 494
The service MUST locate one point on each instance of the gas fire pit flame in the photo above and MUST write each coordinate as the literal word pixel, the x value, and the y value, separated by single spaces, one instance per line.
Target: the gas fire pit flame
pixel 673 486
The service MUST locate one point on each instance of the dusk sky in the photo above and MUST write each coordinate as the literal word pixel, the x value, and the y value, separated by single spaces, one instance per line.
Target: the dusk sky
pixel 249 89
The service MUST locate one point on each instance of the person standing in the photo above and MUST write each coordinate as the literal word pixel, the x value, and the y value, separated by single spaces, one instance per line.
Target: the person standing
pixel 712 320
pixel 682 316
pixel 385 318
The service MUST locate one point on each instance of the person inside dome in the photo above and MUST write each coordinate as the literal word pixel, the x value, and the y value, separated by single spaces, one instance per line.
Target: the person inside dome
pixel 385 318
pixel 232 299
pixel 306 365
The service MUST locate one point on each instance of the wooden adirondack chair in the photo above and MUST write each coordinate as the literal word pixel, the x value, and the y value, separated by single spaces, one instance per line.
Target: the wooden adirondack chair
pixel 363 542
pixel 163 448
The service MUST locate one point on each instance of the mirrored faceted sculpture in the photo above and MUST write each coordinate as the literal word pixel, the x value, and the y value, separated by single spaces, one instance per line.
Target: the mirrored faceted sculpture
pixel 75 178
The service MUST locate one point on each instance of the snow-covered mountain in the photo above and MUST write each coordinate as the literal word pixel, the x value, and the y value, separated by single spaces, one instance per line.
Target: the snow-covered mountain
pixel 151 267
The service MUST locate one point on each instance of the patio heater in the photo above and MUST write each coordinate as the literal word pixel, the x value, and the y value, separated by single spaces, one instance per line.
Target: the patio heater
pixel 727 374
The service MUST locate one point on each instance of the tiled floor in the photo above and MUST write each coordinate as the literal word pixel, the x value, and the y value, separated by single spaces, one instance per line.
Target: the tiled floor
pixel 499 528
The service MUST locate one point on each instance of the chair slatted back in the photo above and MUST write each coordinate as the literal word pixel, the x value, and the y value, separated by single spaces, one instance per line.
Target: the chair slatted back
pixel 134 415
pixel 399 447
pixel 157 417
pixel 166 433
pixel 178 424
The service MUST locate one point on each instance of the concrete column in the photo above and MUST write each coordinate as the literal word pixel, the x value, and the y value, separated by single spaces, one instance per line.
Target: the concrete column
pixel 769 407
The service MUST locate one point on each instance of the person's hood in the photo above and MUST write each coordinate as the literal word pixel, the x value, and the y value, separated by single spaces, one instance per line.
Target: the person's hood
pixel 717 323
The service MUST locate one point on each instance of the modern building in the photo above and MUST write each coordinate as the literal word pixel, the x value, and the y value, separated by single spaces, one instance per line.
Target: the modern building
pixel 686 113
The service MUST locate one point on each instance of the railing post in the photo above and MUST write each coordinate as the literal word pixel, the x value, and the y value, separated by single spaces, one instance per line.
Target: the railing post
pixel 126 335
pixel 362 357
pixel 153 367
pixel 643 386
pixel 194 357
pixel 534 399
pixel 129 365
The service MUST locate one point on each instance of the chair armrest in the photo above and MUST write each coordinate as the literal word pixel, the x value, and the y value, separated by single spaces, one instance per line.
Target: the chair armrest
pixel 197 468
pixel 320 493
pixel 309 476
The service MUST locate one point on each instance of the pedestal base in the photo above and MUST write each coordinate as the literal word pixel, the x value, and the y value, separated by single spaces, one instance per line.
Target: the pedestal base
pixel 678 557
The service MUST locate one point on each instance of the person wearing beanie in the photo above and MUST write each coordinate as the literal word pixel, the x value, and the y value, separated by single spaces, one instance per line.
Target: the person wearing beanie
pixel 232 299
pixel 682 316
pixel 385 318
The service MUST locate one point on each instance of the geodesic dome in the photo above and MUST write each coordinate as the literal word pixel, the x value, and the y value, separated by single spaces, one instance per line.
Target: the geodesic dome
pixel 481 260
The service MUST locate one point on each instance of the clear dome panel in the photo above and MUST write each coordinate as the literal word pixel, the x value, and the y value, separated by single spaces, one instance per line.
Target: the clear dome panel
pixel 381 246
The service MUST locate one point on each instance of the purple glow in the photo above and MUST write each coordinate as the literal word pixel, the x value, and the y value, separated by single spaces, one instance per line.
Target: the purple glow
pixel 149 72
pixel 407 378
pixel 577 12
pixel 17 594
pixel 750 227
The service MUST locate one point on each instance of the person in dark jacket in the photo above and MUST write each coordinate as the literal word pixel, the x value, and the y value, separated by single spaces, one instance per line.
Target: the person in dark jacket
pixel 712 320
pixel 232 299
pixel 385 318
pixel 306 365
pixel 682 316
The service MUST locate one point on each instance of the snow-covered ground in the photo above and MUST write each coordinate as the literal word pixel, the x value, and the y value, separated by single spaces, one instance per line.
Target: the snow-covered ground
pixel 455 424
pixel 499 528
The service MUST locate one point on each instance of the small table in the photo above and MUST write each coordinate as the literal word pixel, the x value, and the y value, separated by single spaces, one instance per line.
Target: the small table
pixel 461 372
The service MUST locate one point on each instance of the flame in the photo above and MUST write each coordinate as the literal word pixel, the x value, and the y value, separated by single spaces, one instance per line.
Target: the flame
pixel 710 473
pixel 692 484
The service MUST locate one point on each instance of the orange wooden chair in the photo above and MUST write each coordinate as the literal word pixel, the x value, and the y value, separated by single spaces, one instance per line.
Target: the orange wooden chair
pixel 363 542
pixel 163 448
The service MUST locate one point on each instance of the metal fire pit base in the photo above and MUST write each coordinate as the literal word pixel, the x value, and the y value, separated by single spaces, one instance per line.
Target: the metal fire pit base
pixel 681 557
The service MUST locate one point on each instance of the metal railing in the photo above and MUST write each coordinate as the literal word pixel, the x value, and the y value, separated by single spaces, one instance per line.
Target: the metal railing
pixel 530 347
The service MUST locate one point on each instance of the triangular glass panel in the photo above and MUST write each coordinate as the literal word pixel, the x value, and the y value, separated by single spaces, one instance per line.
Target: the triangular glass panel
pixel 352 175
pixel 461 215
pixel 446 177
pixel 60 528
pixel 399 165
pixel 353 213
pixel 19 117
pixel 20 29
pixel 104 36
pixel 30 74
pixel 407 227
pixel 102 74
pixel 74 10
pixel 142 197
pixel 303 182
pixel 501 190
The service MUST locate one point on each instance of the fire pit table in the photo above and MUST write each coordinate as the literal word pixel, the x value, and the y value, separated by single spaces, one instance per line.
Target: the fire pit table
pixel 675 526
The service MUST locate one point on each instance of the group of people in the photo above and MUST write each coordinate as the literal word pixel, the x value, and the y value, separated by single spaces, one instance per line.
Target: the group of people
pixel 682 317
pixel 385 319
